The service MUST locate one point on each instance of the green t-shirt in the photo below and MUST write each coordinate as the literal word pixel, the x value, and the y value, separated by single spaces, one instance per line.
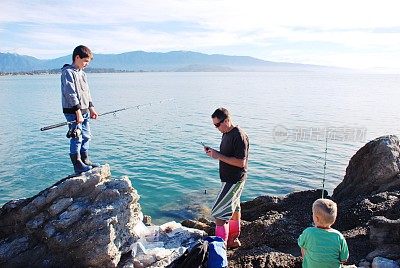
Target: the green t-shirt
pixel 323 248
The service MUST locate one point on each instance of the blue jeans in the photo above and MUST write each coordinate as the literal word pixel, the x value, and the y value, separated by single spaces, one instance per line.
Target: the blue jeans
pixel 79 144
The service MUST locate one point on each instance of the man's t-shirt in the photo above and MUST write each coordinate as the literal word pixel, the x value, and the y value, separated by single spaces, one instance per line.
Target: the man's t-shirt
pixel 323 248
pixel 235 143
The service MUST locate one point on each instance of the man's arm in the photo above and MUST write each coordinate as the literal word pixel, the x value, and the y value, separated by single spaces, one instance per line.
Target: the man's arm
pixel 233 161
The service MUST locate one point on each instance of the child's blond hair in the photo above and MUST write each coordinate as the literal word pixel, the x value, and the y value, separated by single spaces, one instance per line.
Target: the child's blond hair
pixel 326 209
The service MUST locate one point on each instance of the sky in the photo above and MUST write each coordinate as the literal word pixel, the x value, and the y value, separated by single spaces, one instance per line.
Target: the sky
pixel 344 33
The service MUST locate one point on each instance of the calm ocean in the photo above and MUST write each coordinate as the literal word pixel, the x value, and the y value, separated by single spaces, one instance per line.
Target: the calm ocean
pixel 287 115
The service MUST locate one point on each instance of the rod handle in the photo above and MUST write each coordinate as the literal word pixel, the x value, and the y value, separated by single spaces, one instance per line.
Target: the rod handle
pixel 54 126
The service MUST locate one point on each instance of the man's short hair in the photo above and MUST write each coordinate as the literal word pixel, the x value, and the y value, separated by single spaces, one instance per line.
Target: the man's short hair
pixel 326 209
pixel 221 113
pixel 82 52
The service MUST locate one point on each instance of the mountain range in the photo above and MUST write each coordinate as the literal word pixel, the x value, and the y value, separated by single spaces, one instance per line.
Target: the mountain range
pixel 153 61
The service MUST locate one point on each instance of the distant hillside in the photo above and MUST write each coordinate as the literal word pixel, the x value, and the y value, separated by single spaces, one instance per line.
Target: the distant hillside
pixel 17 63
pixel 153 61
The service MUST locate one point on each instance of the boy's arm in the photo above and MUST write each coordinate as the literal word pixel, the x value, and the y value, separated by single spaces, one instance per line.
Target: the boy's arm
pixel 79 117
pixel 303 252
pixel 344 250
pixel 93 113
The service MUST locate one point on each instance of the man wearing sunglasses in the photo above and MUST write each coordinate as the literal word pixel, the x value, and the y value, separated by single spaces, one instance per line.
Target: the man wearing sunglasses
pixel 232 156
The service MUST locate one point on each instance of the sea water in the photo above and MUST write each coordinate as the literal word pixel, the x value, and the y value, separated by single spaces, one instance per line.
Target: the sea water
pixel 295 120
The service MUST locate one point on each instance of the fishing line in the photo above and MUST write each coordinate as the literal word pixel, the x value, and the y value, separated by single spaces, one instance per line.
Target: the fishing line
pixel 106 113
pixel 177 116
pixel 323 180
pixel 199 144
pixel 195 195
pixel 293 171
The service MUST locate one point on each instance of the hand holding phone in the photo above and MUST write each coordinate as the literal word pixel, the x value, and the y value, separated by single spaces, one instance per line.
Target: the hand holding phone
pixel 206 148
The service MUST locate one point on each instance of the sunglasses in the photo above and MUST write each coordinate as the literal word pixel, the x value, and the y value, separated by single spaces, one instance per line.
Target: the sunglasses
pixel 217 125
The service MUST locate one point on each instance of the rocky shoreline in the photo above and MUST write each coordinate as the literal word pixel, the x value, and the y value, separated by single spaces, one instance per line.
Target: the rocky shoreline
pixel 92 220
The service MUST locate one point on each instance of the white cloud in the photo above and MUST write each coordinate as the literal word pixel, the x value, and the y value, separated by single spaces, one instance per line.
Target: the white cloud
pixel 341 28
pixel 220 14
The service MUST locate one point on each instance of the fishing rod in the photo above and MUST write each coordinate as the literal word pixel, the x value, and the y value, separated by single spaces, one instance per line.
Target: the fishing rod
pixel 106 113
pixel 323 180
pixel 297 172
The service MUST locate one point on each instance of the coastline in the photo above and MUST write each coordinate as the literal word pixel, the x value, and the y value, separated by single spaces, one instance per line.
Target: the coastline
pixel 58 71
pixel 91 219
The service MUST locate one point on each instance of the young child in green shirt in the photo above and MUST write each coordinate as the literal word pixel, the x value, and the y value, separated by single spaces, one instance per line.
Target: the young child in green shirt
pixel 321 246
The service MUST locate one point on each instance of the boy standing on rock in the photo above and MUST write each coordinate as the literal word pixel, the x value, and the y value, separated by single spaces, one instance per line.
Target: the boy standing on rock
pixel 78 107
pixel 233 159
pixel 322 246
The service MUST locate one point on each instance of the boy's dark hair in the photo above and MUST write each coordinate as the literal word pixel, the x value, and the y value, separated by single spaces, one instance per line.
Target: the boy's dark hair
pixel 221 113
pixel 82 52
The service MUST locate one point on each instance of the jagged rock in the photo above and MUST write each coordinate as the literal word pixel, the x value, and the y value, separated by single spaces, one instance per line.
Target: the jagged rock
pixel 147 220
pixel 369 197
pixel 390 251
pixel 373 169
pixel 358 243
pixel 263 256
pixel 384 231
pixel 359 210
pixel 277 222
pixel 364 264
pixel 84 220
pixel 208 228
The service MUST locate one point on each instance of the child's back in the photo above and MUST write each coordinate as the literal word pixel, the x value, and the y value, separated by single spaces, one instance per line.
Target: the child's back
pixel 323 247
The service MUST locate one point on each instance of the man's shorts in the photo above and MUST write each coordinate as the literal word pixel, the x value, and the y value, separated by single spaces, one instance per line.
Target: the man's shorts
pixel 228 200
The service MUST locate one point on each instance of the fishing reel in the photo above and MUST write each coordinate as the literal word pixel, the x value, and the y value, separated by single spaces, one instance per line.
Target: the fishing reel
pixel 74 132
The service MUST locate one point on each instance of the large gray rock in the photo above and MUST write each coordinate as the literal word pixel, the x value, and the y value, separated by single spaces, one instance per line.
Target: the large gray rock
pixel 79 221
pixel 373 169
pixel 384 231
pixel 358 211
pixel 390 251
pixel 369 196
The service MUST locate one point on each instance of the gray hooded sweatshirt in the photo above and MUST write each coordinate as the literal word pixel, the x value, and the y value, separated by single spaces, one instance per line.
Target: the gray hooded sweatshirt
pixel 75 93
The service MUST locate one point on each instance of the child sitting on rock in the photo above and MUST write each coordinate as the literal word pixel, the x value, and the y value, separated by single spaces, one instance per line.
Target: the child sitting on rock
pixel 321 246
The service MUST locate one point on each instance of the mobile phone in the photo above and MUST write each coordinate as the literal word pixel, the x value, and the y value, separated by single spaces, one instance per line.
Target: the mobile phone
pixel 205 147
